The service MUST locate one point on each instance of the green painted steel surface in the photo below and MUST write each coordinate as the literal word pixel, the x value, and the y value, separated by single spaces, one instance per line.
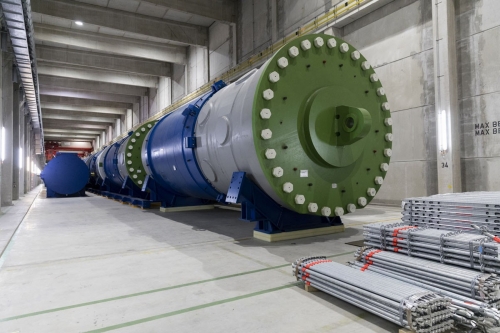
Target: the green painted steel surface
pixel 136 170
pixel 327 124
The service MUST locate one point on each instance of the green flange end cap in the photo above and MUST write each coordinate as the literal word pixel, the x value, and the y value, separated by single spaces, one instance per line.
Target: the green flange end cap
pixel 133 151
pixel 322 126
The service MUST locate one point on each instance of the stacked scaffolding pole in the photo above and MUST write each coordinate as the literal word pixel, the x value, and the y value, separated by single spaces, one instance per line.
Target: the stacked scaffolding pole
pixel 477 252
pixel 399 302
pixel 454 211
pixel 475 297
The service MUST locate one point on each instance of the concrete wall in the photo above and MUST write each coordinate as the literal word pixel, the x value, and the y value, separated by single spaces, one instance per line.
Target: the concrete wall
pixel 478 44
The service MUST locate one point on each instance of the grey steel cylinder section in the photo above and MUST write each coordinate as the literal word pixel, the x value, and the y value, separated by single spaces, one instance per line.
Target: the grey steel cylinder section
pixel 122 167
pixel 224 133
pixel 100 163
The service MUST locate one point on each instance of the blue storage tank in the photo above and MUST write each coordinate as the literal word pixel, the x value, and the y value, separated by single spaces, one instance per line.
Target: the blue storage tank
pixel 65 175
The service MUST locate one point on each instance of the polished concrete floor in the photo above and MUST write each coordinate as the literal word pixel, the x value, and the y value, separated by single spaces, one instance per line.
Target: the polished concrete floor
pixel 94 265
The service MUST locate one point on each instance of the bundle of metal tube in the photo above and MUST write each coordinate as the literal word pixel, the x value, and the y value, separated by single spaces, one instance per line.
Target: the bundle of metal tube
pixel 399 302
pixel 475 297
pixel 454 211
pixel 478 252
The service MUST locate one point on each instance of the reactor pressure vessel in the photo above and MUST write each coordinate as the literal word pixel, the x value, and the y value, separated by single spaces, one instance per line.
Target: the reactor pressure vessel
pixel 311 127
pixel 65 175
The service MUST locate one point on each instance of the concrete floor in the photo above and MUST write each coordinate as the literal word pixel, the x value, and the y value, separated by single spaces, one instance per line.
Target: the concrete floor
pixel 94 265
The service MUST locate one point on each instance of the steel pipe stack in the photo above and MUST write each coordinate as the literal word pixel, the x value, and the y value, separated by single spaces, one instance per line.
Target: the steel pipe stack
pixel 462 249
pixel 468 290
pixel 399 302
pixel 454 211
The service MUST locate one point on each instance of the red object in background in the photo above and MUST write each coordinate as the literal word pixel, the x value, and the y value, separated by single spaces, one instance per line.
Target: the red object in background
pixel 53 147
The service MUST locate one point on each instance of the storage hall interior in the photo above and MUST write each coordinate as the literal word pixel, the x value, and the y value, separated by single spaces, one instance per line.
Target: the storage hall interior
pixel 250 166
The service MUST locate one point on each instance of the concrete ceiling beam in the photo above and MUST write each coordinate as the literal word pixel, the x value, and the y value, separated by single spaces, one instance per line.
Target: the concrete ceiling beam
pixel 70 125
pixel 49 131
pixel 219 10
pixel 68 136
pixel 46 114
pixel 83 102
pixel 97 75
pixel 46 91
pixel 124 21
pixel 92 86
pixel 83 108
pixel 66 56
pixel 110 44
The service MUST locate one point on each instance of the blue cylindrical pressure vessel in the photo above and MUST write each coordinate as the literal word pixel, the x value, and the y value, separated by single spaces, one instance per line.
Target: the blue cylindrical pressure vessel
pixel 65 175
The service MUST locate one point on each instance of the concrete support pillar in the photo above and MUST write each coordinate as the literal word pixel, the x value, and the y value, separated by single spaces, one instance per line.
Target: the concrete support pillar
pixel 136 114
pixel 103 138
pixel 97 142
pixel 110 133
pixel 447 112
pixel 7 126
pixel 22 143
pixel 118 127
pixel 27 157
pixel 16 143
pixel 128 119
pixel 178 85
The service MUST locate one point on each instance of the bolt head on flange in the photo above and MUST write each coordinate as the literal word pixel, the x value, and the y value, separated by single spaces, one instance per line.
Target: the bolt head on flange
pixel 374 77
pixel 386 106
pixel 277 172
pixel 384 167
pixel 266 134
pixel 282 62
pixel 339 211
pixel 312 207
pixel 274 77
pixel 270 154
pixel 362 201
pixel 379 180
pixel 293 51
pixel 388 121
pixel 365 65
pixel 388 152
pixel 380 91
pixel 265 113
pixel 300 199
pixel 371 192
pixel 268 94
pixel 305 45
pixel 326 211
pixel 351 208
pixel 288 187
pixel 355 55
pixel 318 42
pixel 332 42
pixel 388 137
pixel 344 47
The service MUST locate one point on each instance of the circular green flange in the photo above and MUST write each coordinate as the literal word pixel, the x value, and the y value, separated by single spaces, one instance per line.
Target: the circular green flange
pixel 133 152
pixel 322 126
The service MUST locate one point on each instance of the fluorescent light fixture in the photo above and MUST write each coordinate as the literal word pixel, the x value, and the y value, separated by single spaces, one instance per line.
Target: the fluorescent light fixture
pixel 3 143
pixel 20 158
pixel 78 22
pixel 443 131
